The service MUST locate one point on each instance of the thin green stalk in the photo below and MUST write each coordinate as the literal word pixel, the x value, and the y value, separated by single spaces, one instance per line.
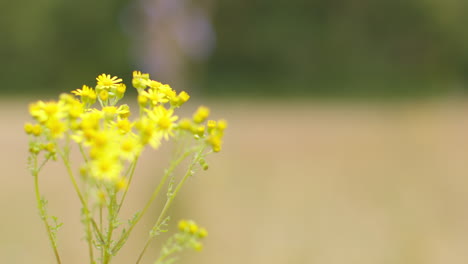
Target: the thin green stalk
pixel 100 217
pixel 93 222
pixel 168 172
pixel 130 177
pixel 171 197
pixel 110 228
pixel 83 153
pixel 66 161
pixel 100 224
pixel 40 206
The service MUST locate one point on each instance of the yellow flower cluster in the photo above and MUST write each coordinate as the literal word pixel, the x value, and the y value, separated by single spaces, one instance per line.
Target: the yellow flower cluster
pixel 189 226
pixel 108 138
pixel 191 234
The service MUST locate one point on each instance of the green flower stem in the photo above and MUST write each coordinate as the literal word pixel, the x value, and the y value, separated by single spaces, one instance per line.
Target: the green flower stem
pixel 171 197
pixel 83 153
pixel 100 217
pixel 168 172
pixel 130 177
pixel 101 226
pixel 40 206
pixel 66 161
pixel 93 222
pixel 97 230
pixel 110 229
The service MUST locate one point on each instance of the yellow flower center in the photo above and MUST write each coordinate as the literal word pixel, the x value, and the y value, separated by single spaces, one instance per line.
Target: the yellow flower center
pixel 105 166
pixel 164 122
pixel 127 146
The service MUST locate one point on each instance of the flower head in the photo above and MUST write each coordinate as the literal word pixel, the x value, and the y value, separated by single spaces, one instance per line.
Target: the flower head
pixel 140 80
pixel 105 81
pixel 164 120
pixel 87 95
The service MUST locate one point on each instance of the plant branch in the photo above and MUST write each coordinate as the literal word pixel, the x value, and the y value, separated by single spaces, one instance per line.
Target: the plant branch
pixel 171 197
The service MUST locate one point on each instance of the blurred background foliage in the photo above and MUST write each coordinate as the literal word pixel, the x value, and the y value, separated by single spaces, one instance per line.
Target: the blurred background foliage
pixel 52 45
pixel 262 48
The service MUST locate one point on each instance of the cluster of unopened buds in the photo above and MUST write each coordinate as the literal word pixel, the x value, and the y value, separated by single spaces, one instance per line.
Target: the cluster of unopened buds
pixel 110 143
pixel 190 235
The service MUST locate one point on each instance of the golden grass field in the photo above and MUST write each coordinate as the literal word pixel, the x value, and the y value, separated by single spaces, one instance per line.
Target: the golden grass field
pixel 302 182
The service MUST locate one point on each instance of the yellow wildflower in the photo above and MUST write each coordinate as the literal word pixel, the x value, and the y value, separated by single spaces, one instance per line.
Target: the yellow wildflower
pixel 198 130
pixel 222 124
pixel 103 95
pixel 142 100
pixel 183 96
pixel 56 127
pixel 185 124
pixel 50 147
pixel 164 120
pixel 71 106
pixel 216 133
pixel 106 167
pixel 193 228
pixel 120 91
pixel 109 112
pixel 31 129
pixel 147 132
pixel 28 128
pixel 201 114
pixel 42 111
pixel 215 142
pixel 123 125
pixel 123 111
pixel 154 84
pixel 180 99
pixel 121 184
pixel 211 124
pixel 35 110
pixel 202 233
pixel 87 95
pixel 155 97
pixel 167 91
pixel 198 246
pixel 183 225
pixel 91 120
pixel 105 81
pixel 130 148
pixel 36 130
pixel 101 139
pixel 140 80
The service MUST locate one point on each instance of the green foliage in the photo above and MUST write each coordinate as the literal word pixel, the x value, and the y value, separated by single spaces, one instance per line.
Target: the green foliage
pixel 339 47
pixel 42 39
pixel 263 48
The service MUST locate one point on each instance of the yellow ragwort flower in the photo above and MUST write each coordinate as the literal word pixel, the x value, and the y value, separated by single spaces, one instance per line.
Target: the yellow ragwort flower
pixel 123 125
pixel 105 81
pixel 168 92
pixel 201 114
pixel 87 94
pixel 106 167
pixel 42 111
pixel 155 97
pixel 130 148
pixel 140 80
pixel 164 120
pixel 56 127
pixel 147 132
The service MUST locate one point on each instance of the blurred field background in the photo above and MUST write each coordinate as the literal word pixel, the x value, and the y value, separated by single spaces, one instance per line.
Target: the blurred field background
pixel 348 124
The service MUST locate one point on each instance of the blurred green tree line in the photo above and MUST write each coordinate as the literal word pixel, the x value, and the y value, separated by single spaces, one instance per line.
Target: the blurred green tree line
pixel 55 45
pixel 315 47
